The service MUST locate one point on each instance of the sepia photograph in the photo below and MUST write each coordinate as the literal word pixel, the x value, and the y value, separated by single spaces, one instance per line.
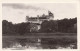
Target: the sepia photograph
pixel 39 26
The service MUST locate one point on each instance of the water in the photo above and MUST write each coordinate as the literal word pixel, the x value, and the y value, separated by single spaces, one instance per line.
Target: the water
pixel 34 43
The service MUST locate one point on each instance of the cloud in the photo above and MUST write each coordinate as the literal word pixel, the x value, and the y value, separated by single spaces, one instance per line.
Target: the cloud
pixel 21 6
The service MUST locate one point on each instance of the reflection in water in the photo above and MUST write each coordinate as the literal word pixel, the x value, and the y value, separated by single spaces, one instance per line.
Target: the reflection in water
pixel 34 44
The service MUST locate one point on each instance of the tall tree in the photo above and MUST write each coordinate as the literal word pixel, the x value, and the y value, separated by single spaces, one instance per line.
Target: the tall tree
pixel 24 28
pixel 48 26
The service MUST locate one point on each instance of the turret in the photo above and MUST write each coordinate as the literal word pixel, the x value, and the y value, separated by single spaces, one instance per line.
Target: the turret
pixel 50 14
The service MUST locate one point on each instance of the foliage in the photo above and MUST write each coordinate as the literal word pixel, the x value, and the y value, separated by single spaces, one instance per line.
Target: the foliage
pixel 7 27
pixel 48 26
pixel 67 25
pixel 64 26
pixel 14 29
pixel 23 28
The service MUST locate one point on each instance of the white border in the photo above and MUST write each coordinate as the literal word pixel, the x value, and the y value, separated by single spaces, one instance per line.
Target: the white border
pixel 43 1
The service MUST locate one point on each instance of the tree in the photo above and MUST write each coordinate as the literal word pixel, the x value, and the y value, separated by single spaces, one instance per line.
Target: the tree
pixel 48 26
pixel 15 29
pixel 66 25
pixel 23 28
pixel 7 28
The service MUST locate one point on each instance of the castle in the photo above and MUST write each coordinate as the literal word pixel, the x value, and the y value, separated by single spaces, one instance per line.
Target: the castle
pixel 40 19
pixel 36 21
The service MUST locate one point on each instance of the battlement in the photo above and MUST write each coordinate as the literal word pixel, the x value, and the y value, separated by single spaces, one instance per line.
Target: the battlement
pixel 40 19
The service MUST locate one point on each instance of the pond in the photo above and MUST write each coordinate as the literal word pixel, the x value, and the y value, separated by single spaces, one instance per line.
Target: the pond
pixel 35 43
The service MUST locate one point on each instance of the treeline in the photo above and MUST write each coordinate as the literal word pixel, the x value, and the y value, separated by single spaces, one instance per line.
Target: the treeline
pixel 67 25
pixel 63 26
pixel 53 26
pixel 18 29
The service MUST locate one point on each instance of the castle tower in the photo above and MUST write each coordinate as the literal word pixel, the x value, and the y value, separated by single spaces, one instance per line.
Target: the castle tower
pixel 51 16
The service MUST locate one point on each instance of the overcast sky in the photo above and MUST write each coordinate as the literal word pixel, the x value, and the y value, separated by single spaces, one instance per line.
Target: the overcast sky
pixel 17 12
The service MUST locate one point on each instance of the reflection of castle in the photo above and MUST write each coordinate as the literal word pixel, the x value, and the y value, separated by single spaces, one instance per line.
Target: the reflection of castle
pixel 36 21
pixel 40 19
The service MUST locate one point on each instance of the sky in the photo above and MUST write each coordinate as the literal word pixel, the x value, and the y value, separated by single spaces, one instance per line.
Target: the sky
pixel 17 12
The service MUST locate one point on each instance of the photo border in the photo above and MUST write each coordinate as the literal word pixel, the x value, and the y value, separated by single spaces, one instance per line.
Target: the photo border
pixel 44 1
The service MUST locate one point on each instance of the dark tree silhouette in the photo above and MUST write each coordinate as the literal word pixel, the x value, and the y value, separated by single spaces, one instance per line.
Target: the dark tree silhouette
pixel 48 26
pixel 64 25
pixel 14 29
pixel 24 28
